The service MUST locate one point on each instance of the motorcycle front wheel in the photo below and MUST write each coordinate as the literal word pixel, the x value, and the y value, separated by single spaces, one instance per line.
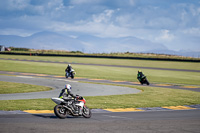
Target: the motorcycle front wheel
pixel 147 82
pixel 72 76
pixel 87 112
pixel 60 111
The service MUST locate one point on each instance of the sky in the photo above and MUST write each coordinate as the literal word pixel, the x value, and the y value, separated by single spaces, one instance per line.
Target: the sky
pixel 172 23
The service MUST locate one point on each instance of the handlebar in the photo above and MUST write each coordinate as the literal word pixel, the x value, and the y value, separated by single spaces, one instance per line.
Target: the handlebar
pixel 79 97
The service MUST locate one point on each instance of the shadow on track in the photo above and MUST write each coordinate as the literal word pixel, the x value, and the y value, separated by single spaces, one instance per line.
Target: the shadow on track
pixel 51 116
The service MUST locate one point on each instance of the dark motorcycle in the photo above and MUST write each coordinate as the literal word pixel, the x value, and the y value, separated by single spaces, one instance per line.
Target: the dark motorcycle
pixel 70 74
pixel 143 80
pixel 64 108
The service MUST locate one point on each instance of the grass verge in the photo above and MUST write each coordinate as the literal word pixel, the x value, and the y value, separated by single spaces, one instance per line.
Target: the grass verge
pixel 102 72
pixel 127 62
pixel 10 87
pixel 149 97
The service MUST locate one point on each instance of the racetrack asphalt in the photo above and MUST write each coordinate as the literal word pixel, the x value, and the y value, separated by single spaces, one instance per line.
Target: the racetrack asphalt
pixel 83 89
pixel 188 87
pixel 180 121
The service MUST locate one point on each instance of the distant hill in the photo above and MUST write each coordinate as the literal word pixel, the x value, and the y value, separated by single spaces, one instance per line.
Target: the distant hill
pixel 86 43
pixel 41 40
pixel 179 53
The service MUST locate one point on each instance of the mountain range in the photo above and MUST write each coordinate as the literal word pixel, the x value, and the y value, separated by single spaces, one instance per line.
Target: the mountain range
pixel 86 43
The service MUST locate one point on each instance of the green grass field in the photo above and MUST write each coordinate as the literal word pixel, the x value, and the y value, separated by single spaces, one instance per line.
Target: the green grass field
pixel 149 97
pixel 102 72
pixel 9 87
pixel 126 62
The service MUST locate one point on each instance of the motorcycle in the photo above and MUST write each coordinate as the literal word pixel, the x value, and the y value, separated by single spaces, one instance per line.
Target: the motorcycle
pixel 70 74
pixel 143 80
pixel 64 108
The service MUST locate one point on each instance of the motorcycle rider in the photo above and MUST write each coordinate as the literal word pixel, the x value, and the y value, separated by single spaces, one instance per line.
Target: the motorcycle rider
pixel 68 69
pixel 68 96
pixel 140 75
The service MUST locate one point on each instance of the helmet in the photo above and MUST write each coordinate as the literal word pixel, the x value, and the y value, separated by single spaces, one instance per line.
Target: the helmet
pixel 69 65
pixel 139 71
pixel 68 87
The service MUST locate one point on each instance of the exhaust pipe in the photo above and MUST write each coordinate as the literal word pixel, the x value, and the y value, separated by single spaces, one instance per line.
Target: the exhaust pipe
pixel 71 110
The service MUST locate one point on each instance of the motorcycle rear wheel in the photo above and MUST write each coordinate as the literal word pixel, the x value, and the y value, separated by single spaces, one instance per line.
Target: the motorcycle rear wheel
pixel 66 75
pixel 87 112
pixel 60 111
pixel 147 82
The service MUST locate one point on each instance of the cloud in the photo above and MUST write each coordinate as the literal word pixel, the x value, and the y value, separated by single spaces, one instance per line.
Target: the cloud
pixel 12 5
pixel 85 2
pixel 156 21
pixel 165 36
pixel 192 31
pixel 103 17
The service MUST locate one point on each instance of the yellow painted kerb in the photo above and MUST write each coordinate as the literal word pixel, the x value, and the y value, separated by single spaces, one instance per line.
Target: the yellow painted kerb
pixel 136 83
pixel 163 85
pixel 39 111
pixel 124 110
pixel 190 87
pixel 42 75
pixel 178 107
pixel 118 81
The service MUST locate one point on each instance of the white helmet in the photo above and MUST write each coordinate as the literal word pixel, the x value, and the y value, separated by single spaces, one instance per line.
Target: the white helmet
pixel 68 87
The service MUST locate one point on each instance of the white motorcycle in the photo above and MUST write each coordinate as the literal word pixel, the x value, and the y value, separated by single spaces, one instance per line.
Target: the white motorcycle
pixel 64 108
pixel 70 74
